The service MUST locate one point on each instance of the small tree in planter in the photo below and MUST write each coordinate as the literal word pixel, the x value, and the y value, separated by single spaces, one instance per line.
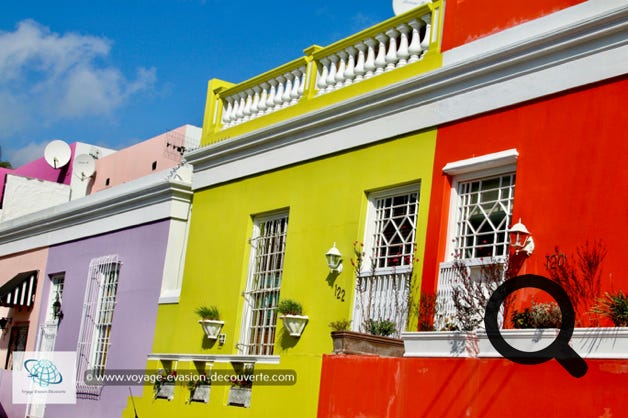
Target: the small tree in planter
pixel 292 316
pixel 210 321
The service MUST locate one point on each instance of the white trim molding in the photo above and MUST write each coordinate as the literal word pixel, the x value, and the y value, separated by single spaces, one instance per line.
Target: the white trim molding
pixel 584 44
pixel 217 358
pixel 481 163
pixel 145 200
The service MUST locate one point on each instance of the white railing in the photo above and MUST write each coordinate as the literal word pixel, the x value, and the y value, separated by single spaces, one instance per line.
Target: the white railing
pixel 486 270
pixel 392 44
pixel 400 45
pixel 382 297
pixel 445 292
pixel 265 97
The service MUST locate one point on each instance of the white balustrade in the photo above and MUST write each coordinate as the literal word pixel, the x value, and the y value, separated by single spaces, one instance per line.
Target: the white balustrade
pixel 266 97
pixel 401 44
pixel 398 46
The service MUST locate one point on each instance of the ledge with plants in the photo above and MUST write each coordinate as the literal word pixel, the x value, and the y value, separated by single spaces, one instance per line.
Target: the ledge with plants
pixel 210 321
pixel 531 328
pixel 292 316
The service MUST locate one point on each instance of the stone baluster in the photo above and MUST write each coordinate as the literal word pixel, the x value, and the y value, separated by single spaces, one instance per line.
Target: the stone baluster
pixel 425 43
pixel 359 69
pixel 296 86
pixel 380 60
pixel 241 106
pixel 342 67
pixel 226 112
pixel 415 41
pixel 255 104
pixel 369 64
pixel 391 55
pixel 402 53
pixel 248 103
pixel 321 83
pixel 349 73
pixel 301 90
pixel 285 98
pixel 331 77
pixel 280 91
pixel 270 100
pixel 261 106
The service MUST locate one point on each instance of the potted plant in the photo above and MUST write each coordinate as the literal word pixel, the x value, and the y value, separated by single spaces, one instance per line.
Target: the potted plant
pixel 199 389
pixel 164 384
pixel 613 306
pixel 292 316
pixel 241 386
pixel 375 343
pixel 210 321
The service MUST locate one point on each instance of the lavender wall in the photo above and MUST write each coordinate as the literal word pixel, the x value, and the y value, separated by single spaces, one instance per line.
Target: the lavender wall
pixel 142 252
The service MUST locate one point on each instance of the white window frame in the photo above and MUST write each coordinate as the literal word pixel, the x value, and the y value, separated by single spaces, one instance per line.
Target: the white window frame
pixel 388 284
pixel 98 310
pixel 262 327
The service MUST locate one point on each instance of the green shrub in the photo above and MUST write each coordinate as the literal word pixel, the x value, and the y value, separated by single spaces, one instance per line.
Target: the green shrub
pixel 613 306
pixel 289 307
pixel 381 327
pixel 539 315
pixel 208 312
pixel 340 325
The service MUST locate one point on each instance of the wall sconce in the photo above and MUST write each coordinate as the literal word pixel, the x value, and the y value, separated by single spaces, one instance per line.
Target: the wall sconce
pixel 334 259
pixel 56 308
pixel 521 239
pixel 4 322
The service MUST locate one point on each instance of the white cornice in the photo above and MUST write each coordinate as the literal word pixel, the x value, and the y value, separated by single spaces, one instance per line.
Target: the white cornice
pixel 147 199
pixel 585 44
pixel 217 358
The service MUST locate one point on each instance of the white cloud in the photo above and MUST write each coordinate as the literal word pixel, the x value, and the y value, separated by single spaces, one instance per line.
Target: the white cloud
pixel 46 77
pixel 24 154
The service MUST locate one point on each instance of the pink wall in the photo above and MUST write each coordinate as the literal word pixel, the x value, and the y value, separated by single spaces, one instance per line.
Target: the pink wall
pixel 370 386
pixel 137 160
pixel 11 266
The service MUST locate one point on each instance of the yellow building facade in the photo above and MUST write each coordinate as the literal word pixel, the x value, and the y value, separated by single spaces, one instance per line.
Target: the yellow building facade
pixel 293 162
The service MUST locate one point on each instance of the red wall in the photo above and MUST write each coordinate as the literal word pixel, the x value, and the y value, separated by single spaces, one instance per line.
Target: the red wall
pixel 367 386
pixel 571 174
pixel 467 20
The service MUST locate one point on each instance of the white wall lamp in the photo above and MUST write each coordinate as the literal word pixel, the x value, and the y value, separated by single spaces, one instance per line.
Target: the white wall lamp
pixel 521 238
pixel 334 259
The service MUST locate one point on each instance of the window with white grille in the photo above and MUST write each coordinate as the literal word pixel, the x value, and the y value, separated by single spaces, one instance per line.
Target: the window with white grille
pixel 98 309
pixel 383 284
pixel 484 212
pixel 268 246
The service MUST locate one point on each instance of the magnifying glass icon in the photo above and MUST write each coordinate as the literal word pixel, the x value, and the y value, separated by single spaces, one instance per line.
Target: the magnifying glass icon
pixel 559 348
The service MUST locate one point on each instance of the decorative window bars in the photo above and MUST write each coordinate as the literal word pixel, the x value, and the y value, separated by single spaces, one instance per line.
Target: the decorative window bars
pixel 98 309
pixel 383 283
pixel 268 246
pixel 483 215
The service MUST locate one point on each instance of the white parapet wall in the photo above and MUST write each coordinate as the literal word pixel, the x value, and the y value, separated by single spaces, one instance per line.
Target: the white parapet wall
pixel 23 195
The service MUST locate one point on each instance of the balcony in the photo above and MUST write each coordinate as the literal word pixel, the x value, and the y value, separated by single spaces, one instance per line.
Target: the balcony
pixel 392 51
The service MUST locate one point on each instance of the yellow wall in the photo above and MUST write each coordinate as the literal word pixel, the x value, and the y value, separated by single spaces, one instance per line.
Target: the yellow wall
pixel 327 201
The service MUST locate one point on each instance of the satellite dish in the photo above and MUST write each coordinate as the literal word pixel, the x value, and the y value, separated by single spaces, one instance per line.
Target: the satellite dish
pixel 402 6
pixel 84 166
pixel 57 153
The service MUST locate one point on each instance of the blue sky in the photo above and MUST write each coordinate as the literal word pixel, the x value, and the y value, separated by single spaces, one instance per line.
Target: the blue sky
pixel 113 73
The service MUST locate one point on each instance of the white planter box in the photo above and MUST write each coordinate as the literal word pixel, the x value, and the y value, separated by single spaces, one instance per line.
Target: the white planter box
pixel 165 391
pixel 294 324
pixel 200 393
pixel 440 344
pixel 239 396
pixel 211 327
pixel 594 343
